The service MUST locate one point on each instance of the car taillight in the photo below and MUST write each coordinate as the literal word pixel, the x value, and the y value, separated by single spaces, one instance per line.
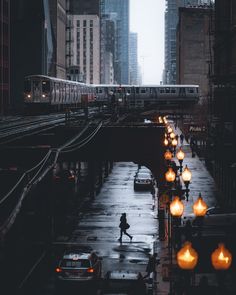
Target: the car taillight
pixel 90 270
pixel 58 269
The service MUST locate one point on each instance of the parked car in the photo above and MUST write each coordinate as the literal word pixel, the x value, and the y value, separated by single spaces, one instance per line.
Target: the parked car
pixel 143 181
pixel 75 267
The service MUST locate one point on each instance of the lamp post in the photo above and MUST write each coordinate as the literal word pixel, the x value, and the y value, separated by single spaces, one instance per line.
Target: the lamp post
pixel 180 156
pixel 186 176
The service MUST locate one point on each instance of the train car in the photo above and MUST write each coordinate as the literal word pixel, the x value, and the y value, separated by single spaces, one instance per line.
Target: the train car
pixel 134 96
pixel 47 94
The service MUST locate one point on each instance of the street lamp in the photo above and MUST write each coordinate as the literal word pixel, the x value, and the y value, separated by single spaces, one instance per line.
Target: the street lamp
pixel 170 175
pixel 174 144
pixel 200 207
pixel 168 155
pixel 221 258
pixel 176 207
pixel 180 156
pixel 186 176
pixel 187 257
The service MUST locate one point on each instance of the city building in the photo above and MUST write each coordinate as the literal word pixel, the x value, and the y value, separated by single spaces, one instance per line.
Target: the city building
pixel 4 56
pixel 171 21
pixel 107 50
pixel 118 12
pixel 133 58
pixel 84 7
pixel 195 48
pixel 58 20
pixel 84 59
pixel 222 125
pixel 37 42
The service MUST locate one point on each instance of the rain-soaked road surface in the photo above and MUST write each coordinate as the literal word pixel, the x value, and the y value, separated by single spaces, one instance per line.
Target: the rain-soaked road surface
pixel 98 226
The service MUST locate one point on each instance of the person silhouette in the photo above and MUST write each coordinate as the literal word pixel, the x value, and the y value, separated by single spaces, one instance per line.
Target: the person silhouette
pixel 123 227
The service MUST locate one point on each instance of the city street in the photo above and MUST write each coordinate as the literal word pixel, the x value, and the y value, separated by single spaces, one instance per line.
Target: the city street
pixel 98 226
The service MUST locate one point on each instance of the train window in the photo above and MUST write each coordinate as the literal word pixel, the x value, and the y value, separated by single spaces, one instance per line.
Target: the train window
pixel 45 86
pixel 190 90
pixel 173 90
pixel 137 90
pixel 128 91
pixel 162 91
pixel 27 86
pixel 143 90
pixel 167 90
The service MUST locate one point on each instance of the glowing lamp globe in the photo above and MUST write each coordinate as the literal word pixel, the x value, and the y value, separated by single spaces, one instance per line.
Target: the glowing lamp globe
pixel 169 129
pixel 180 155
pixel 172 135
pixel 176 207
pixel 168 155
pixel 174 142
pixel 166 142
pixel 200 207
pixel 186 175
pixel 221 258
pixel 170 175
pixel 187 257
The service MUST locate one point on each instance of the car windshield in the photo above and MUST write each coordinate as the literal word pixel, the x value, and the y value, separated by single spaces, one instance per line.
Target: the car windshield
pixel 75 263
pixel 143 175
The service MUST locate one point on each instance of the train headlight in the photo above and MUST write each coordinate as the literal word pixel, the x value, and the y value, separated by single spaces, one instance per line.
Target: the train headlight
pixel 43 95
pixel 28 96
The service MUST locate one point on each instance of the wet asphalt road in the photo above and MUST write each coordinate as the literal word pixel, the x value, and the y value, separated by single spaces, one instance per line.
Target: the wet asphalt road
pixel 98 226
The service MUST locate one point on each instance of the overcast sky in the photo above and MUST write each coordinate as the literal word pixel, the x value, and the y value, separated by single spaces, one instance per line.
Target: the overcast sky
pixel 147 19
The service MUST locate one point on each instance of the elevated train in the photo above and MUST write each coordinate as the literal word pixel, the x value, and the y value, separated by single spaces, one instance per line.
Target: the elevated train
pixel 43 93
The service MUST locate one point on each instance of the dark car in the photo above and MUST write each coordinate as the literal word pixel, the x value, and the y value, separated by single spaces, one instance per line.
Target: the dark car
pixel 143 181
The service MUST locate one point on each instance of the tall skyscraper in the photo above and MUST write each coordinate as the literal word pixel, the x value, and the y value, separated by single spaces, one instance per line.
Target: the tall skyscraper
pixel 118 12
pixel 133 58
pixel 4 56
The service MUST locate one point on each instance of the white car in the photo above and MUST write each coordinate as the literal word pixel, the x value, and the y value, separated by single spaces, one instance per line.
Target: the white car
pixel 143 181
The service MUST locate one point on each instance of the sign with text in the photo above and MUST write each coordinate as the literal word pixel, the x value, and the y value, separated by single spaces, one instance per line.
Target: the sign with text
pixel 197 128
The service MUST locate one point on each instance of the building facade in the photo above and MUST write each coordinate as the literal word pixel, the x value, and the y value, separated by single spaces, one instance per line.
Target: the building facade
pixel 107 49
pixel 4 56
pixel 85 48
pixel 37 42
pixel 58 20
pixel 133 58
pixel 118 12
pixel 171 21
pixel 195 48
pixel 222 125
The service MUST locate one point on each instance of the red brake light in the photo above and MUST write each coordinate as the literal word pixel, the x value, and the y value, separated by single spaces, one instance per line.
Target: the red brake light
pixel 58 269
pixel 90 270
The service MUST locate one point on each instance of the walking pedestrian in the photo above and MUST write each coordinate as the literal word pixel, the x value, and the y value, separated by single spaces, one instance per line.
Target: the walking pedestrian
pixel 181 138
pixel 123 227
pixel 151 266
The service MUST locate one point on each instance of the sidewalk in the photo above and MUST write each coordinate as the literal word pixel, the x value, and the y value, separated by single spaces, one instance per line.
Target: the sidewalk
pixel 201 182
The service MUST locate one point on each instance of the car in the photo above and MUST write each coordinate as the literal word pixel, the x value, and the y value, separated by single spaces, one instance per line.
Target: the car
pixel 75 267
pixel 143 181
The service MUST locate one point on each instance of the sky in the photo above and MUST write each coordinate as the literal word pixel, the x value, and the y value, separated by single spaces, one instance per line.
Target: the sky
pixel 147 19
